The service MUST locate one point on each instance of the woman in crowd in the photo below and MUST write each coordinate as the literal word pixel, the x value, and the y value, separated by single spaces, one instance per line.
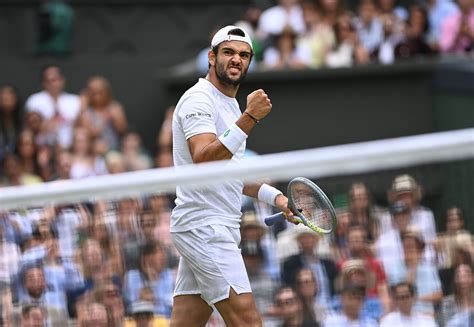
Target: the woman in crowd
pixel 306 288
pixel 363 211
pixel 456 307
pixel 84 163
pixel 101 115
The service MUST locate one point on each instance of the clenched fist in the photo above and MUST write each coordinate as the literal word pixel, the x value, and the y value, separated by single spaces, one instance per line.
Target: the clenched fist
pixel 258 104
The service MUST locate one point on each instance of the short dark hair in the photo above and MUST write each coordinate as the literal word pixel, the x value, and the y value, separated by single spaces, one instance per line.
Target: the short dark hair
pixel 411 287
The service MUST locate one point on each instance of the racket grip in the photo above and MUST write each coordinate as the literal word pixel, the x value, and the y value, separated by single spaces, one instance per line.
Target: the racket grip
pixel 269 221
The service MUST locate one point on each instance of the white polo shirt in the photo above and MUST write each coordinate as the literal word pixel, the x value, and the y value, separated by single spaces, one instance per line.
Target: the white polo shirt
pixel 67 106
pixel 204 109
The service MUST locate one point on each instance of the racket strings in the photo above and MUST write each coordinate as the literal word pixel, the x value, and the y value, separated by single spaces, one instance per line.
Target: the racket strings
pixel 315 212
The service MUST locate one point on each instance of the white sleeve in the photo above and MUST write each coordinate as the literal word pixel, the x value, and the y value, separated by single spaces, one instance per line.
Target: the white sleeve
pixel 196 116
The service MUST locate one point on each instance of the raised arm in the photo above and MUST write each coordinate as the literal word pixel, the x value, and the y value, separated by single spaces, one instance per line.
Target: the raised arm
pixel 209 147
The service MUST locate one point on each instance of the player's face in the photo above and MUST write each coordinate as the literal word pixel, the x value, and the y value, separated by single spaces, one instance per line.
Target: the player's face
pixel 232 62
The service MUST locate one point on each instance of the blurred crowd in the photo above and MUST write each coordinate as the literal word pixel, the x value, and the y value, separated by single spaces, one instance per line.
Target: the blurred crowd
pixel 112 263
pixel 301 34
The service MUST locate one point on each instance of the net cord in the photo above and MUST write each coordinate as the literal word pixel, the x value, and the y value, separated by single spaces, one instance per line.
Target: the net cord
pixel 313 163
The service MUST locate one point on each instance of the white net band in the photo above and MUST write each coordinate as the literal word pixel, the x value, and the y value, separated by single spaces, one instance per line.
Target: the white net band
pixel 315 163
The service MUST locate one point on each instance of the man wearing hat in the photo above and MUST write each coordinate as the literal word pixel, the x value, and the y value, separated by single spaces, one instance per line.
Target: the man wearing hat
pixel 143 316
pixel 357 272
pixel 209 126
pixel 405 189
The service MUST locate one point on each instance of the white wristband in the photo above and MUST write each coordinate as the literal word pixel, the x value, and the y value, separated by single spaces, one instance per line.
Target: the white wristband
pixel 233 138
pixel 268 193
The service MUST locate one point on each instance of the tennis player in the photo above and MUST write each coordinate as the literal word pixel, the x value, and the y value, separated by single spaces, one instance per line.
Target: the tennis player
pixel 207 126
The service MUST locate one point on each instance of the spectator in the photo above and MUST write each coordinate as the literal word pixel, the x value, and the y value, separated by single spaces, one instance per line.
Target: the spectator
pixel 13 174
pixel 352 300
pixel 153 273
pixel 9 259
pixel 415 35
pixel 455 236
pixel 143 316
pixel 10 119
pixel 389 8
pixel 37 292
pixel 284 53
pixel 108 293
pixel 422 274
pixel 115 162
pixel 100 231
pixel 289 309
pixel 357 244
pixel 94 315
pixel 457 30
pixel 251 229
pixel 339 242
pixel 84 164
pixel 63 165
pixel 27 153
pixel 261 283
pixel 406 190
pixel 324 269
pixel 95 269
pixel 319 39
pixel 306 286
pixel 133 153
pixel 389 244
pixel 101 115
pixel 286 14
pixel 348 49
pixel 356 272
pixel 403 295
pixel 332 10
pixel 33 315
pixel 438 11
pixel 394 24
pixel 58 108
pixel 147 222
pixel 369 27
pixel 363 211
pixel 455 307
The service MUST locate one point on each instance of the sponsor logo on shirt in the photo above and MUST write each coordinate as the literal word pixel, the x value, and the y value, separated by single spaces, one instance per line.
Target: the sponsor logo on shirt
pixel 197 114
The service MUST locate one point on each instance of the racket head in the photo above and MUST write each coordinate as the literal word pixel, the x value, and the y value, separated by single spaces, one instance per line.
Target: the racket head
pixel 311 205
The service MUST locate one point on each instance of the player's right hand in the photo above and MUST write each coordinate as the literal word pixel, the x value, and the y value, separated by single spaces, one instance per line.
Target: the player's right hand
pixel 258 104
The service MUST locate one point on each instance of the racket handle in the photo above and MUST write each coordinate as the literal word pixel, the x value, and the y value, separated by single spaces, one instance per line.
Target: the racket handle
pixel 269 221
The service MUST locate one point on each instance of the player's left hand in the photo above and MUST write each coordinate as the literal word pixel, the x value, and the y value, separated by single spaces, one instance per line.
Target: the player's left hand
pixel 281 202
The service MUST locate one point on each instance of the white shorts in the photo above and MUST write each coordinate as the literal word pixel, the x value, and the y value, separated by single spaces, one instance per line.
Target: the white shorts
pixel 211 263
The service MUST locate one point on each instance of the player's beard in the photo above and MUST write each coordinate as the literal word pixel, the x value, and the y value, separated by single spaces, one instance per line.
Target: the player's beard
pixel 224 78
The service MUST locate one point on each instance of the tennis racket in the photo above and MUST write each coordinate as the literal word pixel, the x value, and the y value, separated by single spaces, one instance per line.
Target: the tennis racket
pixel 310 206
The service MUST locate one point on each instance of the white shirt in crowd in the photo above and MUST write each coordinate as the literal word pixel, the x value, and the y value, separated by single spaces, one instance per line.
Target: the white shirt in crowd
pixel 275 19
pixel 204 109
pixel 67 107
pixel 396 319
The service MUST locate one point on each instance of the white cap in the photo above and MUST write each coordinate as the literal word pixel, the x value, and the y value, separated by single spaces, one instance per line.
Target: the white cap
pixel 223 35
